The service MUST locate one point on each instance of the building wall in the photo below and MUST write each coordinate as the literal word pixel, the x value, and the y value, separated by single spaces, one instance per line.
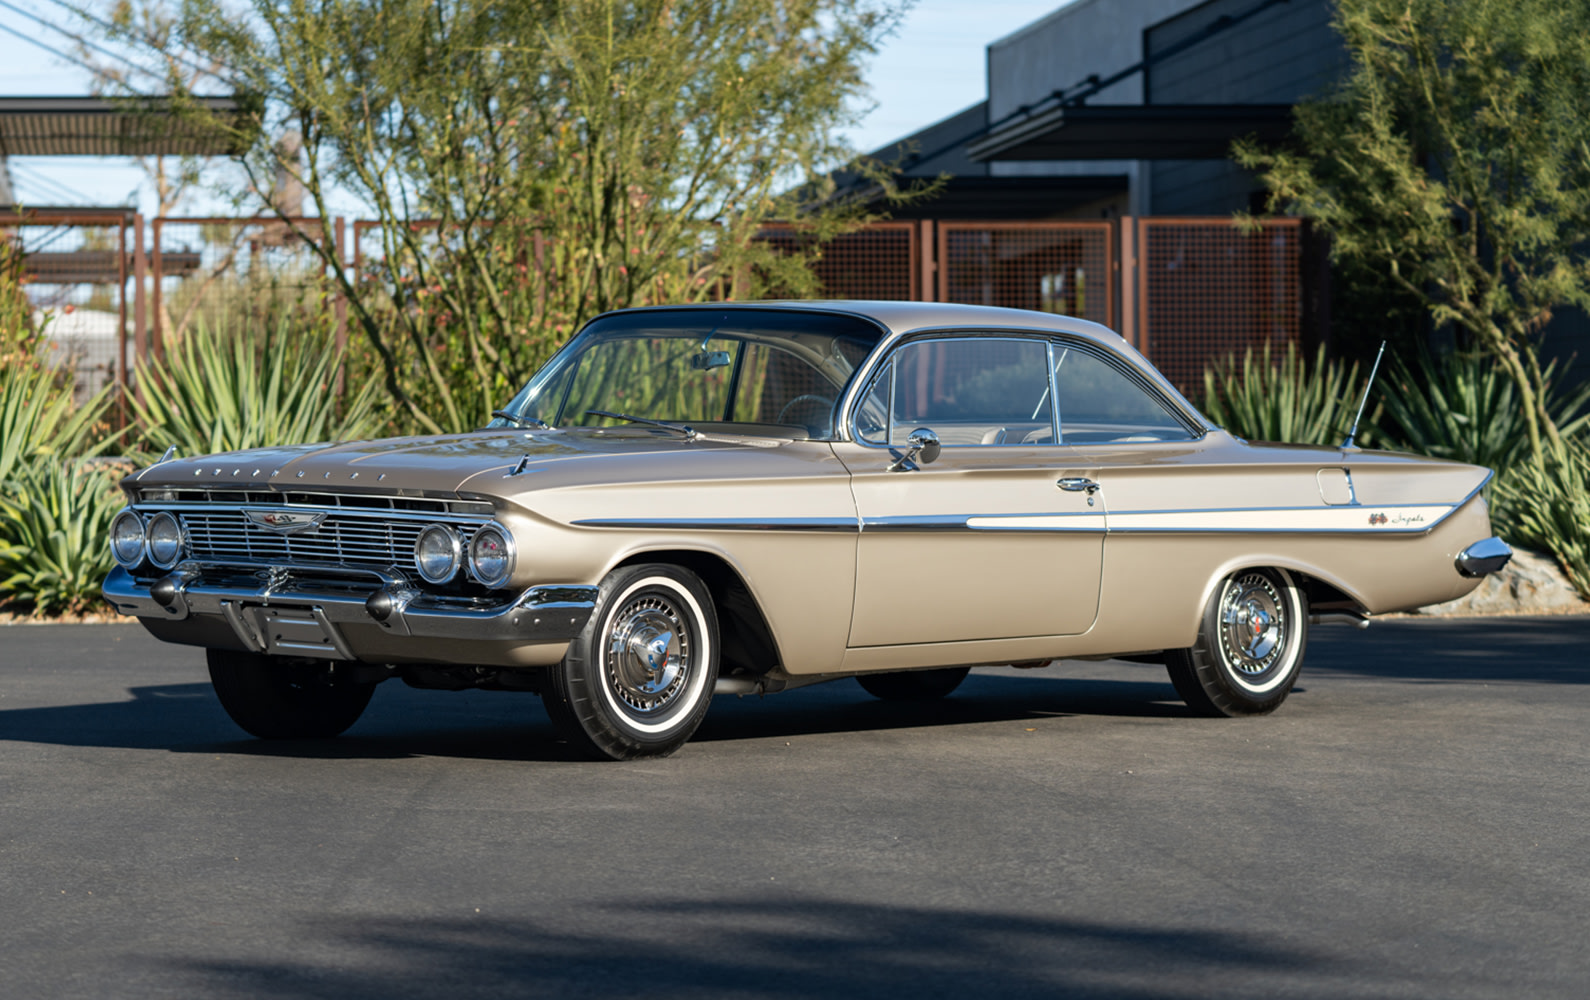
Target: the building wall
pixel 1057 52
pixel 1281 55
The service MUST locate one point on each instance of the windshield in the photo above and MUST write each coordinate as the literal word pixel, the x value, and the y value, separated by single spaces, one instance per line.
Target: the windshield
pixel 764 371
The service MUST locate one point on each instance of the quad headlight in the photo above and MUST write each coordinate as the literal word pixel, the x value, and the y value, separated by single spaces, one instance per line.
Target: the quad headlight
pixel 491 555
pixel 127 539
pixel 438 553
pixel 164 540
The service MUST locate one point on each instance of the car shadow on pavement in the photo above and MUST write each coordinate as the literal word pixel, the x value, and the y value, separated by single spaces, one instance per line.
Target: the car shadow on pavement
pixel 780 946
pixel 1547 649
pixel 401 722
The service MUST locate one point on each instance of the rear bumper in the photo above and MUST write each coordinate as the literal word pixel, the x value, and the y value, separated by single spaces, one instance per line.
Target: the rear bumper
pixel 1484 557
pixel 381 619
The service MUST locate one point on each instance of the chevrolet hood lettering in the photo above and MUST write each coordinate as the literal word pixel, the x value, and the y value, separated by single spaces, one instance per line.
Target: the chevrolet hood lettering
pixel 286 522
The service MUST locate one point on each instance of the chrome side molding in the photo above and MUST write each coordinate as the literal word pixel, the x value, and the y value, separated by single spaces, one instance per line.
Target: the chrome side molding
pixel 1484 557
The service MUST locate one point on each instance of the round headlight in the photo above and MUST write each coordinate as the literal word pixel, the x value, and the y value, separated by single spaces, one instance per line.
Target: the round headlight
pixel 127 539
pixel 165 540
pixel 491 555
pixel 437 553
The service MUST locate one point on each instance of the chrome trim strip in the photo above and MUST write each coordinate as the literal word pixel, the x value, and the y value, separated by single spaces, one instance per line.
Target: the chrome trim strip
pixel 1042 522
pixel 836 524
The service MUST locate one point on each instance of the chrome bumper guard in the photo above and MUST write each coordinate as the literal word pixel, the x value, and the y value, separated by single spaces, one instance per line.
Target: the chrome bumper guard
pixel 279 613
pixel 1484 557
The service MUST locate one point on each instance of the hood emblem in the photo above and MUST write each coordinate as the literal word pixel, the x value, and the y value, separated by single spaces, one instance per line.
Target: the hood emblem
pixel 286 522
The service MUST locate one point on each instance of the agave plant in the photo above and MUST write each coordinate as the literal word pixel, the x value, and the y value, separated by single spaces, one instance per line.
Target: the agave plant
pixel 55 533
pixel 1282 397
pixel 1464 407
pixel 38 417
pixel 217 391
pixel 1550 509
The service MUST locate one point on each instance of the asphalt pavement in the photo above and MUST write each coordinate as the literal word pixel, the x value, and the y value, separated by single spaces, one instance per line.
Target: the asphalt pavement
pixel 1413 822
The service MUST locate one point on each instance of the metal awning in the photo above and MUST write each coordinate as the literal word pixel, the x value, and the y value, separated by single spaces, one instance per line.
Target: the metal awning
pixel 1133 132
pixel 125 126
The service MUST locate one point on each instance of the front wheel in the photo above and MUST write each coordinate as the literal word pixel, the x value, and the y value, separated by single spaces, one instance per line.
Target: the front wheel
pixel 638 679
pixel 1249 647
pixel 277 698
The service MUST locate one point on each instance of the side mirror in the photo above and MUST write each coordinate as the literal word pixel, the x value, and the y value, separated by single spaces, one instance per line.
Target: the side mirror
pixel 923 445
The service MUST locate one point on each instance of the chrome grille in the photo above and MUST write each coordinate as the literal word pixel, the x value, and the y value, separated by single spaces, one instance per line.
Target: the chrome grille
pixel 343 539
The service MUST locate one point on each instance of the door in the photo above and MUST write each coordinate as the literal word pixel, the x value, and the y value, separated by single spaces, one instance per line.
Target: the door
pixel 1002 535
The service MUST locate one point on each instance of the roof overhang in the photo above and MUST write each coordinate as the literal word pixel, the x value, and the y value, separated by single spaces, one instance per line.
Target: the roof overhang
pixel 1134 132
pixel 126 126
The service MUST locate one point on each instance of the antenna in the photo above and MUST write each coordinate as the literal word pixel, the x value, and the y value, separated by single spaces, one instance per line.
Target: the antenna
pixel 1362 402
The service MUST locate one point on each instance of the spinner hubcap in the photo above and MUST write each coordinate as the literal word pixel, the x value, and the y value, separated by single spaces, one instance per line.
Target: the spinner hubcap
pixel 1253 621
pixel 649 654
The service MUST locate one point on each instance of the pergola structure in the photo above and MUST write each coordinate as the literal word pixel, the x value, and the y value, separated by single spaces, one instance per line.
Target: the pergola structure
pixel 112 127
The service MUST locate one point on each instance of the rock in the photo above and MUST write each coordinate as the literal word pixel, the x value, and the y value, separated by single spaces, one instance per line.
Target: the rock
pixel 1531 583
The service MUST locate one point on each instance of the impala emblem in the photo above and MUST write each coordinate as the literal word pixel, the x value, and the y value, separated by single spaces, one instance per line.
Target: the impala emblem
pixel 1377 519
pixel 286 522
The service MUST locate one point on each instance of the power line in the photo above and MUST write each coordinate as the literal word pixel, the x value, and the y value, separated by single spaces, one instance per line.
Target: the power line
pixel 115 30
pixel 49 185
pixel 79 39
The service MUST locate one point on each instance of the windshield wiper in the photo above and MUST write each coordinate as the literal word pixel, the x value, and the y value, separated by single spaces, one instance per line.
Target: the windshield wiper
pixel 523 421
pixel 690 433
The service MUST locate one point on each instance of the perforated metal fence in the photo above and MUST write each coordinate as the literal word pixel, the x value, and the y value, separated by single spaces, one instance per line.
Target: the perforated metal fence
pixel 221 271
pixel 1205 287
pixel 878 262
pixel 1058 267
pixel 77 271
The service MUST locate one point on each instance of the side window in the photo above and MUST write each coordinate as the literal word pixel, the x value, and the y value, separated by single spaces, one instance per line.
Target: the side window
pixel 982 391
pixel 1099 403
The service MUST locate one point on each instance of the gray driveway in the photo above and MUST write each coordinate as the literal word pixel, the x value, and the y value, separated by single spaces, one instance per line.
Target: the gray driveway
pixel 1414 822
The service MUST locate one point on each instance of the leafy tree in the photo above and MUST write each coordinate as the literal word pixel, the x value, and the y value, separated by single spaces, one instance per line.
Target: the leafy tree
pixel 567 156
pixel 1455 161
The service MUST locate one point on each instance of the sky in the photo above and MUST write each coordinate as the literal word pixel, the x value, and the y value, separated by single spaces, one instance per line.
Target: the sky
pixel 931 68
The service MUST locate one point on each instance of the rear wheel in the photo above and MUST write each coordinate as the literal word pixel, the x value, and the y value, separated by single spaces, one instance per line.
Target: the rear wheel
pixel 278 698
pixel 1249 648
pixel 638 680
pixel 914 685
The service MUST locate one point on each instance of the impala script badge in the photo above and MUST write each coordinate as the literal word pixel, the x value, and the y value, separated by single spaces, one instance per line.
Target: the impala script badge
pixel 285 522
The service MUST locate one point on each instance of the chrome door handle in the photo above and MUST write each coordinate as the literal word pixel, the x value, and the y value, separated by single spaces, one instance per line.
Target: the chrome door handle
pixel 1077 484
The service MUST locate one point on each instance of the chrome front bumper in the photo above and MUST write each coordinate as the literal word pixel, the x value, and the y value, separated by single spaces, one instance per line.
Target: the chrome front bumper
pixel 279 613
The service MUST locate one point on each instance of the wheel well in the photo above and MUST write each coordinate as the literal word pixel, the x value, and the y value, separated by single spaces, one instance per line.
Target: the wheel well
pixel 747 641
pixel 1323 596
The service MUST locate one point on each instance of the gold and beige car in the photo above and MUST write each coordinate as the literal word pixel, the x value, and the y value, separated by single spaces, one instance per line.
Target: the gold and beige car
pixel 752 497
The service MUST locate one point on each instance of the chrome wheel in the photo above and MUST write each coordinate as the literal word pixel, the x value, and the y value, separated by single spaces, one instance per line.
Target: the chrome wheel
pixel 1249 646
pixel 1254 624
pixel 638 679
pixel 648 659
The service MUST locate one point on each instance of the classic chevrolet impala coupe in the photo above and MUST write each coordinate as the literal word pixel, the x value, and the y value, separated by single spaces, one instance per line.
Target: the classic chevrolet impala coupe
pixel 752 497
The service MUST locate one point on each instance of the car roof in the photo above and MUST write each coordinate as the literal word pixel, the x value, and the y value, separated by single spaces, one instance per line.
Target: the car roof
pixel 903 317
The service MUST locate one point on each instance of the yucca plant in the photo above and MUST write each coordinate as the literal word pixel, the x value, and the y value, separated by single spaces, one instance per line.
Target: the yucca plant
pixel 1550 509
pixel 1269 396
pixel 55 533
pixel 218 391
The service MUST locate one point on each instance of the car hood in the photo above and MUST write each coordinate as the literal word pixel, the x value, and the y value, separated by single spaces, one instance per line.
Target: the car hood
pixel 438 465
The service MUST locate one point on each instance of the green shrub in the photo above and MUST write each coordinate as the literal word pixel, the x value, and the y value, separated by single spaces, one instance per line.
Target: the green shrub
pixel 217 391
pixel 1550 509
pixel 1267 397
pixel 55 533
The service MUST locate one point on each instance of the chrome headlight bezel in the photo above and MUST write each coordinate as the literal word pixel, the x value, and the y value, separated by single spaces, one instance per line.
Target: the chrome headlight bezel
pixel 178 540
pixel 509 557
pixel 454 549
pixel 136 557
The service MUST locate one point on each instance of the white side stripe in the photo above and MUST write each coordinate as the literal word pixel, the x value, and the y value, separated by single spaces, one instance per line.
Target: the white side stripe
pixel 1383 520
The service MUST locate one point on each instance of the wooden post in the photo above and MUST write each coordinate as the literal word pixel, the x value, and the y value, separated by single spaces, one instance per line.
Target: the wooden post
pixel 1126 282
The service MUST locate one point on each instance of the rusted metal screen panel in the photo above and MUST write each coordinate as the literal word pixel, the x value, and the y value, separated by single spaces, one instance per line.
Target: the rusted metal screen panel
pixel 76 275
pixel 1207 288
pixel 219 272
pixel 876 262
pixel 1059 267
